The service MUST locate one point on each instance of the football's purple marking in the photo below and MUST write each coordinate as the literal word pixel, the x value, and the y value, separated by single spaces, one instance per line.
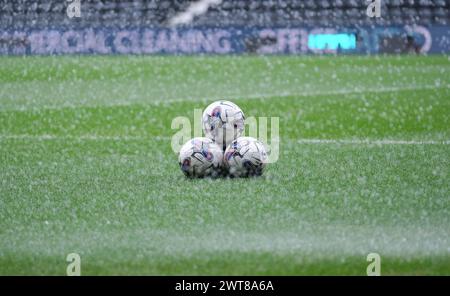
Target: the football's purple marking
pixel 230 154
pixel 208 155
pixel 216 112
pixel 185 165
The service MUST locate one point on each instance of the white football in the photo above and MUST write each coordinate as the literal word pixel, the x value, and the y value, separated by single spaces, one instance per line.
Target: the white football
pixel 245 157
pixel 200 157
pixel 223 122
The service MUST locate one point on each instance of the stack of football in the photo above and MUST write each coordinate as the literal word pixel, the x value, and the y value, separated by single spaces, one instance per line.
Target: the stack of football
pixel 223 152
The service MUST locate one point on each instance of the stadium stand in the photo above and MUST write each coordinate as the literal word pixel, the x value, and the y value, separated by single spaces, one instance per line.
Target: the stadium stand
pixel 19 14
pixel 326 12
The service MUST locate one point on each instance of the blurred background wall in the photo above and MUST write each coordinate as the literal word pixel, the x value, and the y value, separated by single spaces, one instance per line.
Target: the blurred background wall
pixel 224 26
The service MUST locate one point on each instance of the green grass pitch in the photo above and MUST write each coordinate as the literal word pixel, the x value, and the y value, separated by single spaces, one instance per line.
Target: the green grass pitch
pixel 86 166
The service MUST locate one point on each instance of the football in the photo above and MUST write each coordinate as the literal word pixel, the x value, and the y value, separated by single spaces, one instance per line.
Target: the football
pixel 245 157
pixel 223 122
pixel 200 157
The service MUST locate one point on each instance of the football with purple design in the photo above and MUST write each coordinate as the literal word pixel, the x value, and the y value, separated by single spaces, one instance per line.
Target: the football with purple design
pixel 200 157
pixel 245 157
pixel 223 122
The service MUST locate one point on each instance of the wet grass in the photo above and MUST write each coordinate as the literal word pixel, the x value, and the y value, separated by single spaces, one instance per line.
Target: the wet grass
pixel 86 166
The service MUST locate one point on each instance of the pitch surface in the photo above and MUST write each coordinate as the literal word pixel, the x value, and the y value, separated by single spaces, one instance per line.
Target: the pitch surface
pixel 86 166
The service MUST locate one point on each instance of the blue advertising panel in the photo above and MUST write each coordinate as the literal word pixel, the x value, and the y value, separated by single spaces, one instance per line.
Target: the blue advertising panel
pixel 229 40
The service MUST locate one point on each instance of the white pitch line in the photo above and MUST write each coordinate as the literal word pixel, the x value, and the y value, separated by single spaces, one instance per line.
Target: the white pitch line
pixel 165 138
pixel 287 94
pixel 341 92
pixel 82 138
pixel 244 96
pixel 372 142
